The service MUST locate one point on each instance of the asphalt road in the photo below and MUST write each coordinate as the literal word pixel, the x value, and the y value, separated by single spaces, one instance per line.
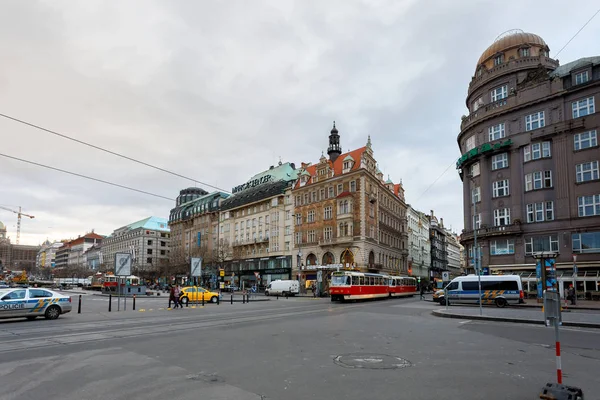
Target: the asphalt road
pixel 288 349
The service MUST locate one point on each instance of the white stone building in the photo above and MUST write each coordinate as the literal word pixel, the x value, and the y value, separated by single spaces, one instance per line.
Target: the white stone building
pixel 419 246
pixel 147 240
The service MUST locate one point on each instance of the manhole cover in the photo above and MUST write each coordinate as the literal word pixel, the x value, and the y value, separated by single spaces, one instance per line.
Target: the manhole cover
pixel 371 361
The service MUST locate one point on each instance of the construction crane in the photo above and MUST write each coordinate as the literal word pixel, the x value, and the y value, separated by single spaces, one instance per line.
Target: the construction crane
pixel 19 213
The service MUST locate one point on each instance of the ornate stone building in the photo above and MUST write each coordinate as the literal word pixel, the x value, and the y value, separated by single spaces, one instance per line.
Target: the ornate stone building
pixel 194 230
pixel 347 216
pixel 530 158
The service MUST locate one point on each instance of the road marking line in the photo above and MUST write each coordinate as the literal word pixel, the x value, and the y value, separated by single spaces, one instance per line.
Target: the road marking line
pixel 465 322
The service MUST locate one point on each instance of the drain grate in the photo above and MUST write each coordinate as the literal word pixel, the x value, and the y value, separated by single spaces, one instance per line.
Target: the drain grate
pixel 371 361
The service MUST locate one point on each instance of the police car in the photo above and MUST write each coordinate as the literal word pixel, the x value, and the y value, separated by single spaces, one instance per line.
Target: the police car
pixel 33 302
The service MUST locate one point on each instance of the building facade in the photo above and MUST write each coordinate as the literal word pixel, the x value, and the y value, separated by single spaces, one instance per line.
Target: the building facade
pixel 256 228
pixel 15 256
pixel 419 245
pixel 530 157
pixel 146 240
pixel 46 257
pixel 194 225
pixel 347 216
pixel 454 250
pixel 439 249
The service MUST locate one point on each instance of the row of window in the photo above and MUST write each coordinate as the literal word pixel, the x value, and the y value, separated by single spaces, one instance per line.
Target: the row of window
pixel 536 151
pixel 587 206
pixel 582 243
pixel 579 108
pixel 324 193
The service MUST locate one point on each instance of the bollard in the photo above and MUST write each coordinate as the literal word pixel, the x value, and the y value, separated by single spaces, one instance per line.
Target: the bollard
pixel 79 306
pixel 231 298
pixel 243 298
pixel 219 299
pixel 277 297
pixel 248 298
pixel 134 302
pixel 109 302
pixel 202 299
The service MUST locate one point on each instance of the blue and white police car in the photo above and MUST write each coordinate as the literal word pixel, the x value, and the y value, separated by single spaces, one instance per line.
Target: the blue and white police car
pixel 31 303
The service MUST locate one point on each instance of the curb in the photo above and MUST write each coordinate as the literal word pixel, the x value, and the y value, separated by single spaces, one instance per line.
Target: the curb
pixel 443 314
pixel 572 308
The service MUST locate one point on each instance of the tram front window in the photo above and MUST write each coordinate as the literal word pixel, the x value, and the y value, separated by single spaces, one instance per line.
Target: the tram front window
pixel 339 280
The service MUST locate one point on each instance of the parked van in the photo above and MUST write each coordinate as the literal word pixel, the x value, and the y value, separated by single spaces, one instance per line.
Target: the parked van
pixel 495 289
pixel 281 288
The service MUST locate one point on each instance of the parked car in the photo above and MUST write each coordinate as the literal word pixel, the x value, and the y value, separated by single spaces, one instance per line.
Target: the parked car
pixel 33 302
pixel 282 288
pixel 195 294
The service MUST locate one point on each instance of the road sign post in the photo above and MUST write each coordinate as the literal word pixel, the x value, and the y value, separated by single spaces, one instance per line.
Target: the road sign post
pixel 122 270
pixel 575 279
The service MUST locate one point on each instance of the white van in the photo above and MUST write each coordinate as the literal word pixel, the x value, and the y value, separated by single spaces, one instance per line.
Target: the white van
pixel 495 289
pixel 281 288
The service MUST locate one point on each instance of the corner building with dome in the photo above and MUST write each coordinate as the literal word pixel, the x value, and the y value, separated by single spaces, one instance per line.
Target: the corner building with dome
pixel 530 161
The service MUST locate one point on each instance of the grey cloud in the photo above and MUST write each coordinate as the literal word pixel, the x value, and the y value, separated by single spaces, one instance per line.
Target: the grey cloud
pixel 219 91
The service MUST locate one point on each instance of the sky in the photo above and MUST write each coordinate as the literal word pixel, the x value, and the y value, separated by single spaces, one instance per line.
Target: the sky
pixel 220 90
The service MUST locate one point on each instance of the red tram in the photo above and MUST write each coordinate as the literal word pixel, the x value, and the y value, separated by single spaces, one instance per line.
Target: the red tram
pixel 347 285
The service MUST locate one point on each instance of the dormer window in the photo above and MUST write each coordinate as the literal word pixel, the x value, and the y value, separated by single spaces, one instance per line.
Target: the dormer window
pixel 498 59
pixel 525 52
pixel 348 164
pixel 581 77
pixel 544 53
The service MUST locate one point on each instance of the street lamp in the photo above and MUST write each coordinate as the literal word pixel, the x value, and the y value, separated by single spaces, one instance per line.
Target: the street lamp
pixel 475 249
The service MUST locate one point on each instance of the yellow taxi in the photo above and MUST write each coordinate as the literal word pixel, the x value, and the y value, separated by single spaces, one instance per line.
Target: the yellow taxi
pixel 195 294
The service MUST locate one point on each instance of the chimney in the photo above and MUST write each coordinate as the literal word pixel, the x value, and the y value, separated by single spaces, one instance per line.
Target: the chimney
pixel 442 222
pixel 431 213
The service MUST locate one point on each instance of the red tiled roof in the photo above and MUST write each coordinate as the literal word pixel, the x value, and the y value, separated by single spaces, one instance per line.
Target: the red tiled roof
pixel 338 165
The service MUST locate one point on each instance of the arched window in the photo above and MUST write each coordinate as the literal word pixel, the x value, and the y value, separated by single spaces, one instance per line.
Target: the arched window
pixel 328 259
pixel 311 259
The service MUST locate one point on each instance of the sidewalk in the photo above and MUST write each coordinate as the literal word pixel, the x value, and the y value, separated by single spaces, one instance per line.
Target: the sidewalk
pixel 522 315
pixel 581 305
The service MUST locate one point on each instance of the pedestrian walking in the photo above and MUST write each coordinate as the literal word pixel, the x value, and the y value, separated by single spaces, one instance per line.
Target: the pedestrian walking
pixel 572 294
pixel 172 296
pixel 177 293
pixel 422 292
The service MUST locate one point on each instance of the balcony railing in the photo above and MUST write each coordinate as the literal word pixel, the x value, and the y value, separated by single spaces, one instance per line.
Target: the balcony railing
pixel 493 231
pixel 488 110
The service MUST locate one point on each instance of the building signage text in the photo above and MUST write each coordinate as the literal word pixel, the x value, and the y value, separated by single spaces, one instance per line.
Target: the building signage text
pixel 251 184
pixel 484 148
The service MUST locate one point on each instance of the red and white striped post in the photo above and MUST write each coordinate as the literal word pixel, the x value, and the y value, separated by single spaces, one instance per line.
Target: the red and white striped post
pixel 558 362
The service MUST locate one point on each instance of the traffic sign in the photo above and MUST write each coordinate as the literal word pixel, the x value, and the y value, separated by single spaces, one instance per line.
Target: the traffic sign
pixel 445 276
pixel 222 272
pixel 256 274
pixel 122 264
pixel 196 266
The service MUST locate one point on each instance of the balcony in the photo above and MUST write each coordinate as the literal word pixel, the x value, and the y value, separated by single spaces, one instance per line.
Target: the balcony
pixel 513 229
pixel 511 66
pixel 338 240
pixel 488 110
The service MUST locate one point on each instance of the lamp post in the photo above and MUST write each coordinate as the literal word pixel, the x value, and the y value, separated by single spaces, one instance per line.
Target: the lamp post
pixel 475 249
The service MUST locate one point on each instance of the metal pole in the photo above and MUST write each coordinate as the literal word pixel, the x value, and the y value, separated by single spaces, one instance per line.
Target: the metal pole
pixel 558 361
pixel 109 302
pixel 79 306
pixel 575 280
pixel 475 250
pixel 119 294
pixel 446 298
pixel 125 299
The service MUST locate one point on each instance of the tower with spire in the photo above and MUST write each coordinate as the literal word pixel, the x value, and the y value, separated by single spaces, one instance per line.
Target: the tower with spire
pixel 334 150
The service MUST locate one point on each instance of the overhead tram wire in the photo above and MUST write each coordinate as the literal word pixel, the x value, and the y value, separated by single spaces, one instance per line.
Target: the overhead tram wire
pixel 109 151
pixel 87 177
pixel 436 179
pixel 575 35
